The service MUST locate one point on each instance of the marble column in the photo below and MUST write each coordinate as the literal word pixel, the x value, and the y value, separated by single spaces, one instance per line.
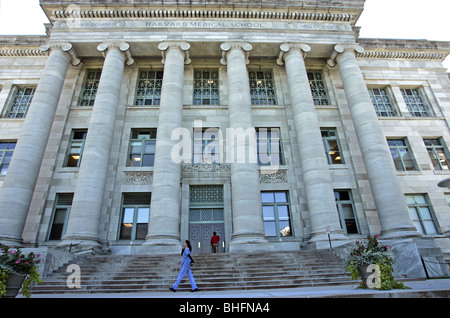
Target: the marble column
pixel 164 225
pixel 248 228
pixel 389 198
pixel 316 176
pixel 83 226
pixel 20 181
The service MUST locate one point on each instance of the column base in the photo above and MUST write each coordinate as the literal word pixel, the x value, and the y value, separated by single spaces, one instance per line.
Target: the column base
pixel 81 245
pixel 321 240
pixel 11 241
pixel 248 243
pixel 403 232
pixel 162 245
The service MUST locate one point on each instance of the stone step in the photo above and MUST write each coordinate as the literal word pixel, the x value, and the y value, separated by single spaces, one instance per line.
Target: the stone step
pixel 140 273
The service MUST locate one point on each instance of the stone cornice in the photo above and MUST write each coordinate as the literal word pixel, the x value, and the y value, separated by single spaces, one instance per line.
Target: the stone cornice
pixel 402 55
pixel 17 52
pixel 281 13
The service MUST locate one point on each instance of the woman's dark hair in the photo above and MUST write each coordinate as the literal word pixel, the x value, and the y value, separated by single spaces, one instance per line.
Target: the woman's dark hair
pixel 188 243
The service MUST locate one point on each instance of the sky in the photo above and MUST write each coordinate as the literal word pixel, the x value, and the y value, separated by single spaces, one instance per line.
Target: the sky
pixel 387 19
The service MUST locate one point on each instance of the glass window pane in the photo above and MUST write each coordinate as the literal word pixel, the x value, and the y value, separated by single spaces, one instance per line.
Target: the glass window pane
pixel 430 228
pixel 280 197
pixel 128 215
pixel 283 212
pixel 268 213
pixel 148 161
pixel 143 215
pixel 270 229
pixel 267 197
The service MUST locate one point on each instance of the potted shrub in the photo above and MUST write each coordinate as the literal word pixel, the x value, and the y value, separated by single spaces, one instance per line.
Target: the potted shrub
pixel 17 270
pixel 372 260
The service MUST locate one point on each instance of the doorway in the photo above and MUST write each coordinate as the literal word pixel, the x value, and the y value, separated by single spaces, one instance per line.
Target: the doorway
pixel 200 237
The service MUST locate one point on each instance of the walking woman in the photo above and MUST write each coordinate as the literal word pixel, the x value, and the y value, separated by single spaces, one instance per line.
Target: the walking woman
pixel 186 261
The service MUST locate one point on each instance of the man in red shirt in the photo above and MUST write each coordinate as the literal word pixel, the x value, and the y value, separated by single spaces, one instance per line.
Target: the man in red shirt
pixel 215 242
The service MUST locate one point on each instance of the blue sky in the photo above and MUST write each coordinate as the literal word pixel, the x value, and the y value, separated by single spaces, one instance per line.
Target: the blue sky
pixel 400 19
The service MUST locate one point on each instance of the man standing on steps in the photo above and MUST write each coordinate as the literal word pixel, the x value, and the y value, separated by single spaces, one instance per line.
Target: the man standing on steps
pixel 215 242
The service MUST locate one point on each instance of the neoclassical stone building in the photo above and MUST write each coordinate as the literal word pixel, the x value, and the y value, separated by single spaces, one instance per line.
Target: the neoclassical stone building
pixel 133 126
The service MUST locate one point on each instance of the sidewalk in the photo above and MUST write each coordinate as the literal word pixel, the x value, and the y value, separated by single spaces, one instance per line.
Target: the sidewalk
pixel 433 288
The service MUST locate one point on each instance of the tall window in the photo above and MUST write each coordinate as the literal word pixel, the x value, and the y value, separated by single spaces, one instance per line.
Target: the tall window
pixel 21 102
pixel 331 145
pixel 207 146
pixel 90 87
pixel 135 216
pixel 76 146
pixel 421 215
pixel 401 155
pixel 381 102
pixel 142 148
pixel 344 204
pixel 6 153
pixel 149 88
pixel 206 87
pixel 415 103
pixel 262 88
pixel 318 89
pixel 60 216
pixel 438 154
pixel 276 213
pixel 269 147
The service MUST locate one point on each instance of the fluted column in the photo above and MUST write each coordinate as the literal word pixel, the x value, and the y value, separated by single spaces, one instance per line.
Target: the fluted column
pixel 248 228
pixel 164 225
pixel 17 190
pixel 388 195
pixel 83 225
pixel 316 176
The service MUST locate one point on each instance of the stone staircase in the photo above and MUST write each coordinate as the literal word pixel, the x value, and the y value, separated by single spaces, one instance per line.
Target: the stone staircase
pixel 147 273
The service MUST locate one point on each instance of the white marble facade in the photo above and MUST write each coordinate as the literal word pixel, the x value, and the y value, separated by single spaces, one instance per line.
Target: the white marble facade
pixel 292 42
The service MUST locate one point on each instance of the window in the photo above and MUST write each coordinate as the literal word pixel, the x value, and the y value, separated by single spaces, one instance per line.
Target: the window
pixel 21 102
pixel 207 146
pixel 90 87
pixel 421 214
pixel 262 88
pixel 276 214
pixel 142 148
pixel 60 216
pixel 206 87
pixel 344 204
pixel 381 102
pixel 77 140
pixel 135 216
pixel 331 144
pixel 269 147
pixel 401 155
pixel 415 104
pixel 438 154
pixel 149 88
pixel 6 153
pixel 318 90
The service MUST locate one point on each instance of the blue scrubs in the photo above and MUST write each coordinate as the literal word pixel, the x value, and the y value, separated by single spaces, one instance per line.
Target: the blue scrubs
pixel 185 268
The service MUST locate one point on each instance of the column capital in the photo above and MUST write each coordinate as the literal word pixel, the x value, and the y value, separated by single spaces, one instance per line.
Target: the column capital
pixel 120 45
pixel 65 47
pixel 227 46
pixel 286 47
pixel 181 45
pixel 341 48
